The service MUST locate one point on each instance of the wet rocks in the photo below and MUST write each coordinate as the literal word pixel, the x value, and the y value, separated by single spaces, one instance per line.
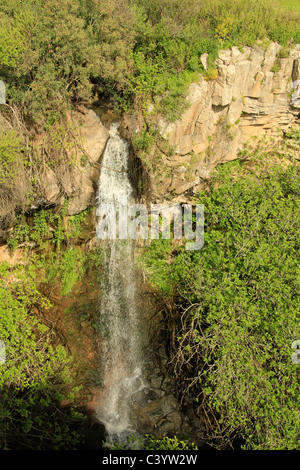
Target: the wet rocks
pixel 155 414
pixel 155 409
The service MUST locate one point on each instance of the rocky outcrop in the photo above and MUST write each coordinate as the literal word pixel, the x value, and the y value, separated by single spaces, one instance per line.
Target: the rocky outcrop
pixel 256 92
pixel 90 137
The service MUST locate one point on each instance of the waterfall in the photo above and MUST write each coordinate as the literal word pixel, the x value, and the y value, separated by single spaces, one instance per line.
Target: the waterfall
pixel 121 363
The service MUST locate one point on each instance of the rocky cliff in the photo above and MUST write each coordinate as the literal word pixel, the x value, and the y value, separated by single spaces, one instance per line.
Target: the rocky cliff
pixel 255 93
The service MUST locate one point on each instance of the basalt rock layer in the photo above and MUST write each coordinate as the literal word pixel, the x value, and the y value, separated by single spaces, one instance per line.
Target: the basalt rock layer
pixel 256 94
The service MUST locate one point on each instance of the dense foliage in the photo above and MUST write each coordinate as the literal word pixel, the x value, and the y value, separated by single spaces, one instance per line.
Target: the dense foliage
pixel 39 379
pixel 141 55
pixel 236 300
pixel 137 51
pixel 234 306
pixel 35 377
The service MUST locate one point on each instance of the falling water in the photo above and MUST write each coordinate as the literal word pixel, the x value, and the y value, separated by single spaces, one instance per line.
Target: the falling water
pixel 118 312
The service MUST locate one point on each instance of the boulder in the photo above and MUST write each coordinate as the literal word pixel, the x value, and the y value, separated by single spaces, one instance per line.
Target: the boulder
pixel 92 135
pixel 78 182
pixel 83 195
pixel 51 187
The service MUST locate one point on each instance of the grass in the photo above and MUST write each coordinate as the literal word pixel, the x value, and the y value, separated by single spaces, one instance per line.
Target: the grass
pixel 290 5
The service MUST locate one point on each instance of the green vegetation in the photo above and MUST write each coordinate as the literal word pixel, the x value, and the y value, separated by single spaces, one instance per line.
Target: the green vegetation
pixel 141 55
pixel 58 257
pixel 167 443
pixel 39 375
pixel 149 442
pixel 139 52
pixel 290 5
pixel 233 307
pixel 35 378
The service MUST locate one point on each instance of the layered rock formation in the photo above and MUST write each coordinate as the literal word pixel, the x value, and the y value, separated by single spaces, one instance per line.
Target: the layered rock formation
pixel 256 94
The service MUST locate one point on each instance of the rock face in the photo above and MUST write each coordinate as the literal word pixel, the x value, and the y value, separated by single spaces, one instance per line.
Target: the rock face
pixel 2 92
pixel 256 93
pixel 88 146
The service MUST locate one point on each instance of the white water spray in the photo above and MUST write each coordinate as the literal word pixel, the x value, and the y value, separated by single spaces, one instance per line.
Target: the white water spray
pixel 118 313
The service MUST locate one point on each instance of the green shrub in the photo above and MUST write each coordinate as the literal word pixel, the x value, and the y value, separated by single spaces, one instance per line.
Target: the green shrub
pixel 14 37
pixel 56 53
pixel 36 376
pixel 150 442
pixel 54 56
pixel 237 304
